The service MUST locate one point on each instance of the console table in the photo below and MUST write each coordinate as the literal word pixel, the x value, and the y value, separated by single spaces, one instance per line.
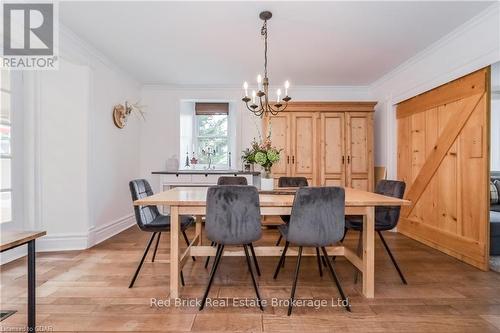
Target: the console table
pixel 12 239
pixel 183 178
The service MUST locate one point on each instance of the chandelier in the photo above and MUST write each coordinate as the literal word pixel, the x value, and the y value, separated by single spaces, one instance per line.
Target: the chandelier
pixel 260 103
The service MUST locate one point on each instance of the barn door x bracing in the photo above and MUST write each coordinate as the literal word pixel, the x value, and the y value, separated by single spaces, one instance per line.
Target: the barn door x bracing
pixel 443 156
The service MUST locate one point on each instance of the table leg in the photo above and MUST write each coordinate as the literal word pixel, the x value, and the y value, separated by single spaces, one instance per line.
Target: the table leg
pixel 369 252
pixel 174 252
pixel 31 287
pixel 199 229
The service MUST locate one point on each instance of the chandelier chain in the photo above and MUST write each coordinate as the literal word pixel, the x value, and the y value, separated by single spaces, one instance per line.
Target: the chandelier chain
pixel 263 32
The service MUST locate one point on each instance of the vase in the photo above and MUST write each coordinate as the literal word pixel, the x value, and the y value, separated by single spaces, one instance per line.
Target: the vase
pixel 267 181
pixel 266 184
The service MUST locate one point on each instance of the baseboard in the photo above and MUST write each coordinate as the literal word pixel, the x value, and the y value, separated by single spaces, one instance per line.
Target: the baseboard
pixel 48 243
pixel 62 242
pixel 100 234
pixel 72 242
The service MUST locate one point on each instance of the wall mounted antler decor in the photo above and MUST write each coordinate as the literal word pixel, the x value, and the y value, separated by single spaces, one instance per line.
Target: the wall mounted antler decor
pixel 122 112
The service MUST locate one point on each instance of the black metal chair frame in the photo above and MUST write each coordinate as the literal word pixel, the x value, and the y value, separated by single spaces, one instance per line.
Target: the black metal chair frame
pixel 388 250
pixel 318 256
pixel 218 256
pixel 146 250
pixel 297 270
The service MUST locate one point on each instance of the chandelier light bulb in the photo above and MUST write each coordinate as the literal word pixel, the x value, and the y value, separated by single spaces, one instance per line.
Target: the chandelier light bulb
pixel 278 93
pixel 259 81
pixel 287 85
pixel 245 86
pixel 253 96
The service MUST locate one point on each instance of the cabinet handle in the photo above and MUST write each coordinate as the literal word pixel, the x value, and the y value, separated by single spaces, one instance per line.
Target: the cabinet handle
pixel 343 159
pixel 287 159
pixel 293 159
pixel 348 159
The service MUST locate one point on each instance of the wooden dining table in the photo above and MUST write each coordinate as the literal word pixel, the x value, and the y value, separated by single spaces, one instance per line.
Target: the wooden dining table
pixel 192 201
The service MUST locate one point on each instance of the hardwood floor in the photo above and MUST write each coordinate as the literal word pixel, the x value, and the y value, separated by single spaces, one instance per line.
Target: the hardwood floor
pixel 87 291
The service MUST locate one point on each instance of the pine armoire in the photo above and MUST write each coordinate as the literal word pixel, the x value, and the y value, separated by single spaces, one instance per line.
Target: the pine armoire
pixel 329 143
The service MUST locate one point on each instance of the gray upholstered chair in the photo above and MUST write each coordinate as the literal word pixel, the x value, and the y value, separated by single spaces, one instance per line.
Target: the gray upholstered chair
pixel 229 180
pixel 149 219
pixel 290 182
pixel 232 218
pixel 317 220
pixel 386 218
pixel 232 180
pixel 297 182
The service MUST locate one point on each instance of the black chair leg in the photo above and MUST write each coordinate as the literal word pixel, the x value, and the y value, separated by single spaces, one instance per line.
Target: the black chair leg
pixel 279 240
pixel 320 267
pixel 156 247
pixel 358 251
pixel 323 260
pixel 282 258
pixel 345 233
pixel 257 268
pixel 187 241
pixel 292 296
pixel 392 258
pixel 220 250
pixel 208 258
pixel 142 260
pixel 182 279
pixel 341 241
pixel 253 277
pixel 337 282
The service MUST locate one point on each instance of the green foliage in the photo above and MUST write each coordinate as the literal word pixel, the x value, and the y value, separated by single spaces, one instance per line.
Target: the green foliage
pixel 262 153
pixel 212 132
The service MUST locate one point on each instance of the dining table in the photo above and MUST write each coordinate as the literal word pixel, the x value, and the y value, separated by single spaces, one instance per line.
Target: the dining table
pixel 192 201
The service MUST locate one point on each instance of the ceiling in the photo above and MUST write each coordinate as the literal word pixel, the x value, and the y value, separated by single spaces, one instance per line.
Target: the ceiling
pixel 219 43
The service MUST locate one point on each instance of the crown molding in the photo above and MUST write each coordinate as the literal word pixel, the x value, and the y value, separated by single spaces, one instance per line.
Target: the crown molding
pixel 170 87
pixel 85 53
pixel 492 10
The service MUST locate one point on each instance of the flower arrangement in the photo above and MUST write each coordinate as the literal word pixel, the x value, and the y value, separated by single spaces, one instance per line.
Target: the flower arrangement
pixel 263 153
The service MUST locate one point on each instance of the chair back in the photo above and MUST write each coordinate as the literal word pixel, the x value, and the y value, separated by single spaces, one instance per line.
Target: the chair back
pixel 233 214
pixel 225 180
pixel 292 182
pixel 318 216
pixel 144 215
pixel 387 217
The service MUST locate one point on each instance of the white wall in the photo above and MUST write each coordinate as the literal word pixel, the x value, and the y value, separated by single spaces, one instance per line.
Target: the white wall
pixel 472 46
pixel 114 153
pixel 78 164
pixel 63 148
pixel 160 132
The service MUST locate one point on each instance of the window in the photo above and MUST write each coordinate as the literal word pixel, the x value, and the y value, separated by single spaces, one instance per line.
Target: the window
pixel 211 134
pixel 5 147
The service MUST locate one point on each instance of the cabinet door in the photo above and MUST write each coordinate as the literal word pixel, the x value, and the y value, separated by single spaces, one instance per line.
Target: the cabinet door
pixel 332 150
pixel 359 151
pixel 303 135
pixel 280 137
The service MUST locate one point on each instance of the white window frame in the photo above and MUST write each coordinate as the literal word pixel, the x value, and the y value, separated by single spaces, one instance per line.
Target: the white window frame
pixel 16 152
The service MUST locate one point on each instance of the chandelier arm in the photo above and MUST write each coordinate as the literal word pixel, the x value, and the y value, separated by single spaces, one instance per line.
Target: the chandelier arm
pixel 257 112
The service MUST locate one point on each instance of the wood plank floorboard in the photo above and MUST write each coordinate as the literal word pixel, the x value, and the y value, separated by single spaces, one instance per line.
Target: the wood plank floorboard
pixel 87 291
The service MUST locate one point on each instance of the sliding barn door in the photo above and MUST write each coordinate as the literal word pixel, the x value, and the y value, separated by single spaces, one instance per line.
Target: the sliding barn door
pixel 443 156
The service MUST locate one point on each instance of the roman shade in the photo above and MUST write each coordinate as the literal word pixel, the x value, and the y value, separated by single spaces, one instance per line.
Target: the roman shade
pixel 210 109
